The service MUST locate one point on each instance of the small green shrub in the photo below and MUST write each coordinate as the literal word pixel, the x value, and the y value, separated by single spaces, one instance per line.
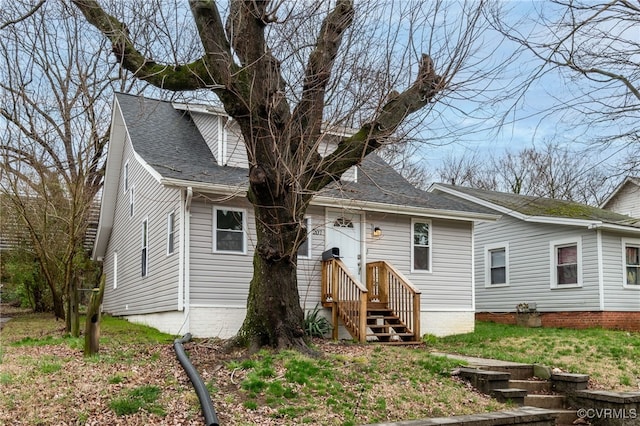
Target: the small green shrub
pixel 316 325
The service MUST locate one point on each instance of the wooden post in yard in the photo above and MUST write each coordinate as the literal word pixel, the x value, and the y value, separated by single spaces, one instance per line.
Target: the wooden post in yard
pixel 92 323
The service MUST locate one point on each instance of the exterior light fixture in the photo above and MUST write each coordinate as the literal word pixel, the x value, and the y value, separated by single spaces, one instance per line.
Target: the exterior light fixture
pixel 377 232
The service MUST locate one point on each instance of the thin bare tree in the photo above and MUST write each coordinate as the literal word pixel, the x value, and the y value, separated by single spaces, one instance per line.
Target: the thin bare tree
pixel 551 171
pixel 284 71
pixel 592 48
pixel 54 111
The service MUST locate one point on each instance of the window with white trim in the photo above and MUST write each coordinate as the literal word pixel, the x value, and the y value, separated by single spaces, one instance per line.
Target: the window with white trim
pixel 421 245
pixel 304 251
pixel 131 202
pixel 496 265
pixel 229 230
pixel 171 232
pixel 125 177
pixel 144 254
pixel 115 270
pixel 631 263
pixel 566 261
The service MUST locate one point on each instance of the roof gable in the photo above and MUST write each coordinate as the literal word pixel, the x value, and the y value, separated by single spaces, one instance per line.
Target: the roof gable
pixel 628 181
pixel 166 138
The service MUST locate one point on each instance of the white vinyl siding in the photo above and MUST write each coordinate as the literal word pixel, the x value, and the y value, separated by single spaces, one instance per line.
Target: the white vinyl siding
pixel 158 291
pixel 218 280
pixel 530 267
pixel 171 232
pixel 421 245
pixel 617 295
pixel 626 201
pixel 229 230
pixel 566 263
pixel 496 265
pixel 211 128
pixel 144 252
pixel 449 286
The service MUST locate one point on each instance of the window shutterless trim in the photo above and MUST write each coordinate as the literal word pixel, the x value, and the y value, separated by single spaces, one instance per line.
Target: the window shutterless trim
pixel 487 264
pixel 553 249
pixel 171 233
pixel 125 177
pixel 243 231
pixel 629 242
pixel 144 250
pixel 429 245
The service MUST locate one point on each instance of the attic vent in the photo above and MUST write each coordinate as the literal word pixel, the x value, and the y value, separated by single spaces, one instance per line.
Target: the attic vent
pixel 342 222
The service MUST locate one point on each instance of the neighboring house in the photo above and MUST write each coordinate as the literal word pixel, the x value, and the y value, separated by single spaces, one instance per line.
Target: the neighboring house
pixel 625 199
pixel 578 264
pixel 177 235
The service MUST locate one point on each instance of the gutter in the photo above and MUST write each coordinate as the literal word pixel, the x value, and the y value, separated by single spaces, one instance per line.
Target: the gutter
pixel 618 228
pixel 240 191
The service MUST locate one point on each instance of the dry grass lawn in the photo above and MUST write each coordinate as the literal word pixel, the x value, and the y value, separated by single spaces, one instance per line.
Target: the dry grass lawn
pixel 136 380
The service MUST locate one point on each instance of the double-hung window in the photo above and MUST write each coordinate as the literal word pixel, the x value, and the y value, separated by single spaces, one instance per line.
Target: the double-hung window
pixel 144 255
pixel 125 177
pixel 229 230
pixel 566 261
pixel 496 265
pixel 171 232
pixel 631 263
pixel 421 245
pixel 131 202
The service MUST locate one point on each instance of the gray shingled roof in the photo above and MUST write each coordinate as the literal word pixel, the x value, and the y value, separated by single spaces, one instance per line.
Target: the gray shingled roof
pixel 168 140
pixel 546 207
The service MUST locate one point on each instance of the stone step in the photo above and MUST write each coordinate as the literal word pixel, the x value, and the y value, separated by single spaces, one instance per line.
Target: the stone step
pixel 533 386
pixel 545 401
pixel 512 395
pixel 485 380
pixel 566 417
pixel 517 371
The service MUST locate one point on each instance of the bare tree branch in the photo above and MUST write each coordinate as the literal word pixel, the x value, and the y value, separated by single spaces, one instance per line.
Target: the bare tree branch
pixel 23 17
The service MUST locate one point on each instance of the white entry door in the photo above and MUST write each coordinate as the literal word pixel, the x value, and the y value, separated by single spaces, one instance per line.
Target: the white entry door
pixel 343 231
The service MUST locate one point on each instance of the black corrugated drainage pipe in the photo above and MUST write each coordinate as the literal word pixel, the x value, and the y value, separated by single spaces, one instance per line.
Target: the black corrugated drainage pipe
pixel 209 413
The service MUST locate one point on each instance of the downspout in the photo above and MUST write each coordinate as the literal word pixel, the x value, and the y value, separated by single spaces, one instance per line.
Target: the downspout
pixel 473 269
pixel 600 267
pixel 185 243
pixel 208 411
pixel 187 251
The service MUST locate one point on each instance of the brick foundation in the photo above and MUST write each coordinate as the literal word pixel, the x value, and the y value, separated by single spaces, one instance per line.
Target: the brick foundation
pixel 629 321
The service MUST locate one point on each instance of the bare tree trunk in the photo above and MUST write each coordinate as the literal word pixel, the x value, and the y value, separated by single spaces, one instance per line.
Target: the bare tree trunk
pixel 273 306
pixel 92 323
pixel 58 304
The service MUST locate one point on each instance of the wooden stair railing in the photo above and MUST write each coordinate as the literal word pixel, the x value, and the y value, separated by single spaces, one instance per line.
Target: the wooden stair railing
pixel 390 288
pixel 347 296
pixel 386 310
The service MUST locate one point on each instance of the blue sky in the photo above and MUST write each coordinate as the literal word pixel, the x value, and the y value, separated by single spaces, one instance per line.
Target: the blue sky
pixel 530 122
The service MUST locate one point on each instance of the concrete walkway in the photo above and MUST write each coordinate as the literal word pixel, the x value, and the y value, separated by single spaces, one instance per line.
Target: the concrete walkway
pixel 481 362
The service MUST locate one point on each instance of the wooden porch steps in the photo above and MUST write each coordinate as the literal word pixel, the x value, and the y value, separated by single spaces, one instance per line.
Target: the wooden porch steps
pixel 384 326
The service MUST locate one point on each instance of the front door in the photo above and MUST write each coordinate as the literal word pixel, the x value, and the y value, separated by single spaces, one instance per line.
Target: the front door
pixel 343 231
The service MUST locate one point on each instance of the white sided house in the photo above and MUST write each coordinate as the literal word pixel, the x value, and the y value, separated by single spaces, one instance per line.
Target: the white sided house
pixel 625 199
pixel 177 235
pixel 578 266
